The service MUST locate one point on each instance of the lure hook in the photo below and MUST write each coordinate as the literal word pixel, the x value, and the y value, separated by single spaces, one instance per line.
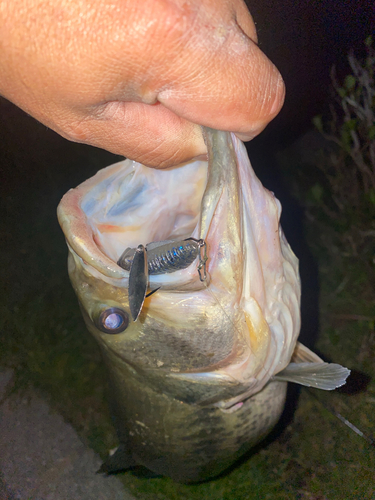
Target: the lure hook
pixel 202 260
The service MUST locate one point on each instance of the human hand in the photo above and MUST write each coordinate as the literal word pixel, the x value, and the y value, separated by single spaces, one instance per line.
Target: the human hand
pixel 138 78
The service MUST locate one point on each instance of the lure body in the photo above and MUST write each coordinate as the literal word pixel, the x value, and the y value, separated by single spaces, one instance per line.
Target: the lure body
pixel 164 257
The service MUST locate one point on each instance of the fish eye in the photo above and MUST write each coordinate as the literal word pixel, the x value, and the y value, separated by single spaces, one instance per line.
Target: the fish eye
pixel 112 320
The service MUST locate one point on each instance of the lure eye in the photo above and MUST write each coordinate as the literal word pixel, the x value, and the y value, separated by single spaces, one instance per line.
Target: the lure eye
pixel 113 320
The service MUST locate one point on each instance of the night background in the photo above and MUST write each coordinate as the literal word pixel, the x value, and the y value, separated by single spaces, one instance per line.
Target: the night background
pixel 311 455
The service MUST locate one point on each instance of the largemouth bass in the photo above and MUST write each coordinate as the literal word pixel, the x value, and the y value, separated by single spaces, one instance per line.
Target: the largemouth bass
pixel 199 351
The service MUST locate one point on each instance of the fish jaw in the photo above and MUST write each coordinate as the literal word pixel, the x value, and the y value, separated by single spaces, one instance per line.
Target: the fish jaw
pixel 78 232
pixel 236 329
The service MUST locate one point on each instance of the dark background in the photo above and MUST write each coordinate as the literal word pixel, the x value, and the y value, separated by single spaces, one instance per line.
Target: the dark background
pixel 304 38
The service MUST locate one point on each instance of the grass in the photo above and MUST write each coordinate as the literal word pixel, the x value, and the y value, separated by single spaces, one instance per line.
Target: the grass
pixel 314 457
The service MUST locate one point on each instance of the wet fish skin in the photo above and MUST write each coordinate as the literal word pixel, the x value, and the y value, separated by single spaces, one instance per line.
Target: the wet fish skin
pixel 192 380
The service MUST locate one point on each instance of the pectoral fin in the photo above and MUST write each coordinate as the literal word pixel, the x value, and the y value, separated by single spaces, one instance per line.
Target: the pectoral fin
pixel 326 376
pixel 310 370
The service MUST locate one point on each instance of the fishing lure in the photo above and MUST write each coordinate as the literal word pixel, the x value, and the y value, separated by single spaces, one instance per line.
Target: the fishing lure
pixel 159 257
pixel 165 257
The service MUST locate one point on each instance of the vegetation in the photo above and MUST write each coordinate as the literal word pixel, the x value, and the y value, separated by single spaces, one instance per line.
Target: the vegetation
pixel 336 187
pixel 344 196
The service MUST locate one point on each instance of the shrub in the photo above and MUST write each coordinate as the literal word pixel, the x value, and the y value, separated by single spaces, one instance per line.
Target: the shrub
pixel 344 195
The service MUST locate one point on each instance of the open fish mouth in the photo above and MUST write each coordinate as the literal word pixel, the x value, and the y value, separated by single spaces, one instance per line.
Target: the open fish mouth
pixel 127 204
pixel 228 321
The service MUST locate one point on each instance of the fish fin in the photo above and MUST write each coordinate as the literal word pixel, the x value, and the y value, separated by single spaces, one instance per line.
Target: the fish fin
pixel 302 354
pixel 326 376
pixel 120 460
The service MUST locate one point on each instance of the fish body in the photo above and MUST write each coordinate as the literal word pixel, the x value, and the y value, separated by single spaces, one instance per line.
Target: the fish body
pixel 201 375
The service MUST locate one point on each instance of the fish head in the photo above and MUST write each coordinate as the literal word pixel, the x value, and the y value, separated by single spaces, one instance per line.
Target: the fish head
pixel 206 337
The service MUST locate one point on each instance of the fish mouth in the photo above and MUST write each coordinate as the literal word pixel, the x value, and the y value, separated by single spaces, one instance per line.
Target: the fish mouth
pixel 128 204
